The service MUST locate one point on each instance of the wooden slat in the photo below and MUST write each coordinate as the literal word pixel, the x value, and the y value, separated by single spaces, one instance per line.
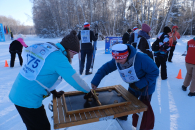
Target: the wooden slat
pixel 75 123
pixel 61 116
pixel 72 117
pixel 67 119
pixel 97 108
pixel 98 114
pixel 55 111
pixel 78 118
pixel 102 113
pixel 88 116
pixel 73 93
pixel 93 115
pixel 64 102
pixel 111 111
pixel 131 97
pixel 121 92
pixel 115 110
pixel 96 98
pixel 107 112
pixel 82 116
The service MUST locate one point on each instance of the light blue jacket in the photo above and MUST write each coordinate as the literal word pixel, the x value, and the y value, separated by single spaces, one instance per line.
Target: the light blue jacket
pixel 26 93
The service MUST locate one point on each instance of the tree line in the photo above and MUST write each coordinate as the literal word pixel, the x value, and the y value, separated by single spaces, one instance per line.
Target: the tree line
pixel 15 26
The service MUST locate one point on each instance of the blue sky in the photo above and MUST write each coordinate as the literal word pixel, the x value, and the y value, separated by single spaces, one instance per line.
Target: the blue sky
pixel 17 9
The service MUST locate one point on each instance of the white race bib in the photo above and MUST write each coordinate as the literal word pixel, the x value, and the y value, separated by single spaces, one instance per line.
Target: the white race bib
pixel 34 59
pixel 128 75
pixel 85 36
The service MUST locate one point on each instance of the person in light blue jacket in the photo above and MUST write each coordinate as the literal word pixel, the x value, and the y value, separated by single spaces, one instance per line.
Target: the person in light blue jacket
pixel 135 68
pixel 43 65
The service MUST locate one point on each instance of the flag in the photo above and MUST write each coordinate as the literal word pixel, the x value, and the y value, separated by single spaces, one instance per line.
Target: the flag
pixel 4 30
pixel 10 30
pixel 7 29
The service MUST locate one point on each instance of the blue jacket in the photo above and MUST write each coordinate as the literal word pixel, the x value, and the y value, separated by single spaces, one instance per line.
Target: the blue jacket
pixel 145 68
pixel 26 93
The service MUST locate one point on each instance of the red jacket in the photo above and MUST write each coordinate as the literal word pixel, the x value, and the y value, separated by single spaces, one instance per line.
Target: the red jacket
pixel 173 37
pixel 191 52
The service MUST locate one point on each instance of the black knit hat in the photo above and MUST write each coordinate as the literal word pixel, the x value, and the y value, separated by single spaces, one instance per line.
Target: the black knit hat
pixel 71 41
pixel 129 30
pixel 166 29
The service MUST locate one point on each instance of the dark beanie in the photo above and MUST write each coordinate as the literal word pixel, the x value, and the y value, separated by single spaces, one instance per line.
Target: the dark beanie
pixel 166 29
pixel 129 30
pixel 71 41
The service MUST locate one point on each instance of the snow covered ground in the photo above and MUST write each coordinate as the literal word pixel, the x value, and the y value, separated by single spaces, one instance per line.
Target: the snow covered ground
pixel 173 109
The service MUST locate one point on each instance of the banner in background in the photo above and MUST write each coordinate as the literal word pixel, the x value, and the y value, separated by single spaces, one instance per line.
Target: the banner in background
pixel 109 42
pixel 2 36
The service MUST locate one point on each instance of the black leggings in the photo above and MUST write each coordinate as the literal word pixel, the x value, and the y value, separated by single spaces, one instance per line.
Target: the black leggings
pixel 34 119
pixel 13 56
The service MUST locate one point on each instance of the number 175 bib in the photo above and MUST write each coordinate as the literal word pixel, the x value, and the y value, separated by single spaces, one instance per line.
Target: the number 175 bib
pixel 34 59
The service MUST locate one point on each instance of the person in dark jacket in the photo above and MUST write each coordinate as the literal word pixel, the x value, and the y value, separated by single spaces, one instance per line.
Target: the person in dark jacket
pixel 135 68
pixel 126 36
pixel 161 55
pixel 134 36
pixel 16 47
pixel 86 36
pixel 143 43
pixel 190 66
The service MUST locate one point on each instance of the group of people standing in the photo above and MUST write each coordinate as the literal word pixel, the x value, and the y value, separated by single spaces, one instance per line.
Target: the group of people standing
pixel 46 64
pixel 166 41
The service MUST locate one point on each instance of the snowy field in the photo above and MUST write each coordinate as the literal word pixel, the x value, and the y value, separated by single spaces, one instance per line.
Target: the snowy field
pixel 173 108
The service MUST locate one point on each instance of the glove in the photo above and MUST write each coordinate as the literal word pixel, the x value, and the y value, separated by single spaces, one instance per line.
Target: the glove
pixel 175 42
pixel 169 49
pixel 88 95
pixel 160 43
pixel 26 47
pixel 133 86
pixel 96 34
pixel 57 94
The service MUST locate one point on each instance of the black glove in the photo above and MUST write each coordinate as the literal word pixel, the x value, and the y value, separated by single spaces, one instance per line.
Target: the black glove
pixel 96 34
pixel 57 94
pixel 88 95
pixel 133 86
pixel 175 42
pixel 26 47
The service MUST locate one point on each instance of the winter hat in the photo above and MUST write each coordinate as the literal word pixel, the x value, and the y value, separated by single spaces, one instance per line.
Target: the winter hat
pixel 166 29
pixel 135 28
pixel 129 30
pixel 120 51
pixel 86 25
pixel 71 42
pixel 22 42
pixel 146 27
pixel 174 27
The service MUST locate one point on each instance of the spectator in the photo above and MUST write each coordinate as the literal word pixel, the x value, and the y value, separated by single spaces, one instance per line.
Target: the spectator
pixel 16 46
pixel 190 66
pixel 126 36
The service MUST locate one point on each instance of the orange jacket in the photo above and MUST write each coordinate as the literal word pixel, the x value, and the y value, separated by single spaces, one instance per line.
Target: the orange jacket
pixel 173 37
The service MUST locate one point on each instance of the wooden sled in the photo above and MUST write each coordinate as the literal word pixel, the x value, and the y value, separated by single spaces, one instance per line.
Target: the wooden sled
pixel 72 109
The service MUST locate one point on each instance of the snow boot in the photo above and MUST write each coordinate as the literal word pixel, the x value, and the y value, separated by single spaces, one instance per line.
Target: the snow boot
pixel 88 73
pixel 191 94
pixel 184 88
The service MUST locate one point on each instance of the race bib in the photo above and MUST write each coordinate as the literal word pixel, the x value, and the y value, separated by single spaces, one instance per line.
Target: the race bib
pixel 85 36
pixel 34 59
